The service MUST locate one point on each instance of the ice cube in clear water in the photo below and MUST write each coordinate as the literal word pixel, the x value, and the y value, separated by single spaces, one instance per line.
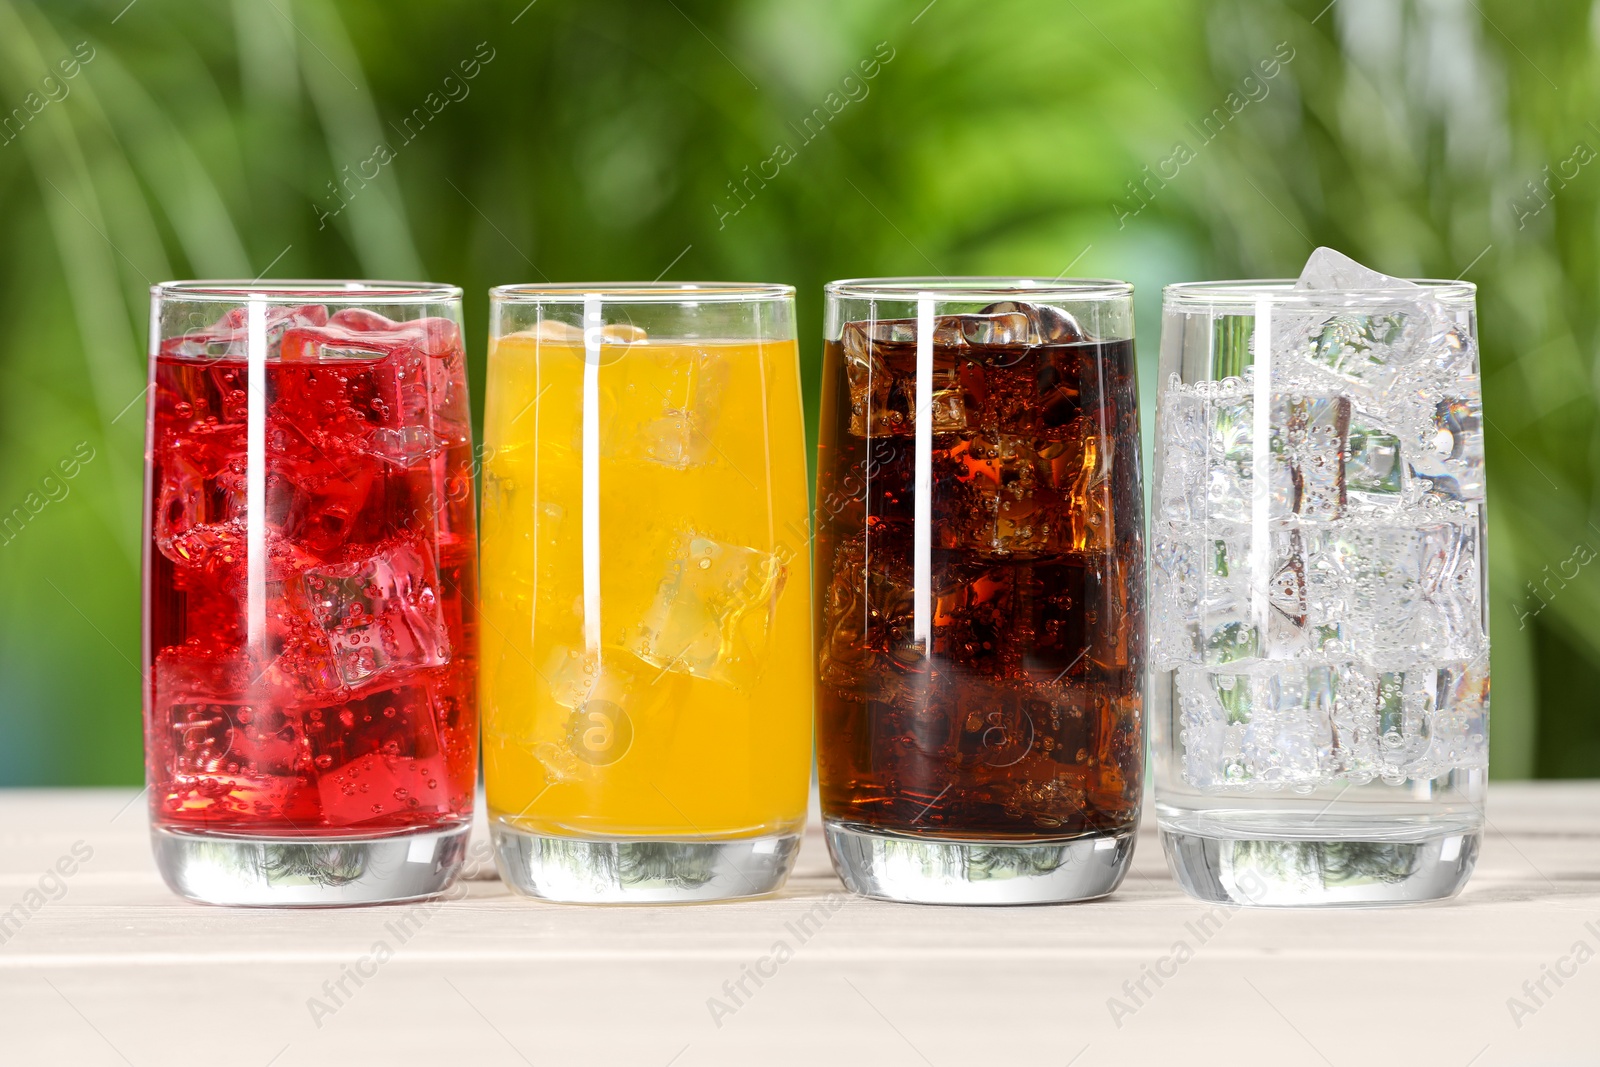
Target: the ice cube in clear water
pixel 1327 268
pixel 1372 663
pixel 1459 733
pixel 1288 614
pixel 713 612
pixel 1365 349
pixel 1227 629
pixel 1445 455
pixel 1185 441
pixel 1177 578
pixel 380 614
pixel 1400 591
pixel 1230 469
pixel 1373 469
pixel 1279 726
pixel 1316 438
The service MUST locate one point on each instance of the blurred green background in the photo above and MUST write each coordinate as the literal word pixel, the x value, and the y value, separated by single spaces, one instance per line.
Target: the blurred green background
pixel 598 140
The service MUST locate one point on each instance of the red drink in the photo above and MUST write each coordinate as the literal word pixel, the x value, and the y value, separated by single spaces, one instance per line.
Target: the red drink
pixel 311 578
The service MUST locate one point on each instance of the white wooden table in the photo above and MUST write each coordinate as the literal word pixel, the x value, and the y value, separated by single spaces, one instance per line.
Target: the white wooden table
pixel 109 968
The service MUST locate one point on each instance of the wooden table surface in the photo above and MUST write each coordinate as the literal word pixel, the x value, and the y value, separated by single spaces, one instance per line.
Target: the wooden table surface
pixel 105 966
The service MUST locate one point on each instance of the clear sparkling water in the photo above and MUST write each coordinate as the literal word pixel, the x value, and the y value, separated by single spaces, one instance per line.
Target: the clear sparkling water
pixel 1327 627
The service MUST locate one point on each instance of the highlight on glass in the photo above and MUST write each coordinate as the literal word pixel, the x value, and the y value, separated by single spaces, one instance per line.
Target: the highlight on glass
pixel 309 591
pixel 1320 702
pixel 980 588
pixel 646 679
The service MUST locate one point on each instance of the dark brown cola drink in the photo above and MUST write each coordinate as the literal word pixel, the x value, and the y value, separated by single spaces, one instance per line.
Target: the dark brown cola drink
pixel 981 642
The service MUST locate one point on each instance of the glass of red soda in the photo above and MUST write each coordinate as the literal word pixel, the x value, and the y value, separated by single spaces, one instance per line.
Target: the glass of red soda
pixel 310 591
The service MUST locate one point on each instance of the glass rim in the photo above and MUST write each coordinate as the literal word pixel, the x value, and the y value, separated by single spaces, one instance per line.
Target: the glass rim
pixel 656 292
pixel 1282 293
pixel 368 291
pixel 974 287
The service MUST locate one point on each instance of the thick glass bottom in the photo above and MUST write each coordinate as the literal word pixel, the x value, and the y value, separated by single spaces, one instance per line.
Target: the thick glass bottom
pixel 309 872
pixel 576 870
pixel 931 870
pixel 1286 872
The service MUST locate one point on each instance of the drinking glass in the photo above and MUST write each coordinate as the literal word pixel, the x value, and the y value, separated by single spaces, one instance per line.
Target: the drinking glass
pixel 1319 636
pixel 646 635
pixel 980 587
pixel 309 591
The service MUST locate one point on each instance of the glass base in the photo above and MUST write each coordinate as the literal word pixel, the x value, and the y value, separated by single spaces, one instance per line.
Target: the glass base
pixel 309 872
pixel 929 870
pixel 1268 872
pixel 576 870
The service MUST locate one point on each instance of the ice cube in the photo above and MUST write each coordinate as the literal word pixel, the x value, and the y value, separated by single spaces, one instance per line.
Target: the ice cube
pixel 1369 350
pixel 434 337
pixel 1268 727
pixel 1185 442
pixel 1226 630
pixel 229 336
pixel 713 612
pixel 870 648
pixel 1443 341
pixel 608 692
pixel 186 674
pixel 374 785
pixel 1459 735
pixel 1316 436
pixel 1004 500
pixel 320 501
pixel 1402 591
pixel 1231 461
pixel 240 760
pixel 667 407
pixel 1018 497
pixel 203 487
pixel 1328 269
pixel 395 391
pixel 554 331
pixel 1306 458
pixel 1177 578
pixel 1205 597
pixel 1373 470
pixel 1445 458
pixel 1288 614
pixel 379 615
pixel 1019 322
pixel 1404 723
pixel 377 755
pixel 880 359
pixel 228 747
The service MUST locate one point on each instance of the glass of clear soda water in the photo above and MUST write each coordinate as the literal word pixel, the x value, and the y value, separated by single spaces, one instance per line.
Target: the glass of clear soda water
pixel 1318 636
